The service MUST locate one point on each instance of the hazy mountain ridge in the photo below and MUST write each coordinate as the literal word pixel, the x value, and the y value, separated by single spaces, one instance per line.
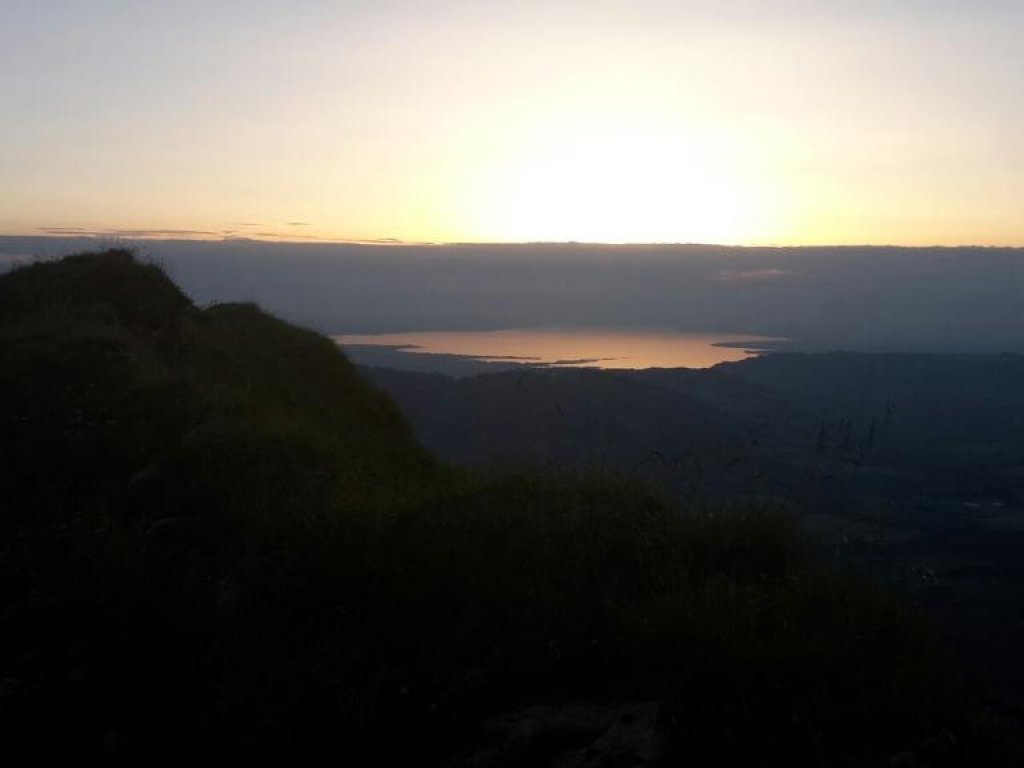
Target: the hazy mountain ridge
pixel 907 467
pixel 908 414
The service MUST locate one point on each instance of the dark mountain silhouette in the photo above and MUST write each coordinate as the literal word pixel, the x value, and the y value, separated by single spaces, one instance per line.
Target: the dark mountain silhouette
pixel 219 539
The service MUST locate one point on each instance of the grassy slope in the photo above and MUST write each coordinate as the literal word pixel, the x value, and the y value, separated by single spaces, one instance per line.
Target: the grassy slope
pixel 216 534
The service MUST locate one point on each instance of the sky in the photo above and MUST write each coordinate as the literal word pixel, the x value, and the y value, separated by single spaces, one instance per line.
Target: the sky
pixel 734 121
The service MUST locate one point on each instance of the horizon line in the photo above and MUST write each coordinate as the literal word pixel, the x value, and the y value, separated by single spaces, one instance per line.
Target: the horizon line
pixel 192 236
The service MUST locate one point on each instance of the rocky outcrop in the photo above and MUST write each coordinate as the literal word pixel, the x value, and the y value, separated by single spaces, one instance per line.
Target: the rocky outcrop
pixel 579 735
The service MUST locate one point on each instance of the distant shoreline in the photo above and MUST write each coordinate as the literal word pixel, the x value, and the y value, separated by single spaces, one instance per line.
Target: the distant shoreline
pixel 470 352
pixel 758 347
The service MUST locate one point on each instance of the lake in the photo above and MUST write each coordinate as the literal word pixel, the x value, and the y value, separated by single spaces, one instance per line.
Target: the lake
pixel 569 347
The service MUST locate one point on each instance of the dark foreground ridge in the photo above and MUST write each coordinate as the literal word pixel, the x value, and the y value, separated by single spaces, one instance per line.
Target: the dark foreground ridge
pixel 219 541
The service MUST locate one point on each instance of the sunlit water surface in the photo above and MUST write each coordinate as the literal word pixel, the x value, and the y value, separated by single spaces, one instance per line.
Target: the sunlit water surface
pixel 575 348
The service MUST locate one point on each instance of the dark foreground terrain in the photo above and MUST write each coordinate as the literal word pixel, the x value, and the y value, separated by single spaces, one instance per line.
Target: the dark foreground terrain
pixel 219 540
pixel 906 468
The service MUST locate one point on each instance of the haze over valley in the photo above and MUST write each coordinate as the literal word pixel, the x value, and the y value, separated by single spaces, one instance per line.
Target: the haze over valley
pixel 949 300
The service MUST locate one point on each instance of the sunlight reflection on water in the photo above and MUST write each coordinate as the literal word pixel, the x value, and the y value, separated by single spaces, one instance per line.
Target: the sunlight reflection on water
pixel 576 348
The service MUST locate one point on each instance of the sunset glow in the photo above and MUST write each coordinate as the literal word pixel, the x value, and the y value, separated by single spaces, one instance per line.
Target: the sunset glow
pixel 789 122
pixel 609 179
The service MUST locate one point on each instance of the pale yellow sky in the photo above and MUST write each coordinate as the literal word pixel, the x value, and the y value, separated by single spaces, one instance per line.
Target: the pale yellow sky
pixel 645 121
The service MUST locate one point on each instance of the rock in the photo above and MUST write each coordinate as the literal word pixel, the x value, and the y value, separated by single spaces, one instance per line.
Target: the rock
pixel 632 739
pixel 902 760
pixel 582 735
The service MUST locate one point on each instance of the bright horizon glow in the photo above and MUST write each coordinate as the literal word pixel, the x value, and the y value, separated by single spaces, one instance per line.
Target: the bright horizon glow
pixel 609 179
pixel 778 122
